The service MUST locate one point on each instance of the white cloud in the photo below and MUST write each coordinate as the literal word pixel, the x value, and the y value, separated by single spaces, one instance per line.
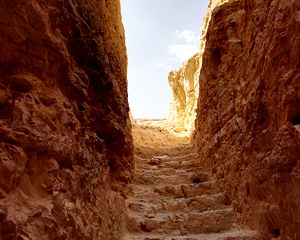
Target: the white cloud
pixel 187 35
pixel 182 51
pixel 185 45
pixel 164 65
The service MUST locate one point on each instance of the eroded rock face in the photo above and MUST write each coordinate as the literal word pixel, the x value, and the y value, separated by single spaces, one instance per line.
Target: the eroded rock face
pixel 184 84
pixel 248 110
pixel 65 133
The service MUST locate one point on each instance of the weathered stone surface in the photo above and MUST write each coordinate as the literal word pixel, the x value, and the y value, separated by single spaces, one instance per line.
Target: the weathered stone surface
pixel 160 208
pixel 184 84
pixel 248 111
pixel 64 125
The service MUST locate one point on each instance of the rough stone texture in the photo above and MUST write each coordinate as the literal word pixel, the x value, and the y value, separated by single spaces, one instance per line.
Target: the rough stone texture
pixel 248 111
pixel 211 6
pixel 65 133
pixel 171 197
pixel 184 84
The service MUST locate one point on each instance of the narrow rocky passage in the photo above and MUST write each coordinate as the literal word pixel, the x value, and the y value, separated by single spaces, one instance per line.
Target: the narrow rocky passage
pixel 172 197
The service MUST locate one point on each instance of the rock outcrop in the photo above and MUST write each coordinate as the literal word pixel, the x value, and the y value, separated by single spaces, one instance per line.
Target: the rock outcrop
pixel 184 84
pixel 65 134
pixel 247 127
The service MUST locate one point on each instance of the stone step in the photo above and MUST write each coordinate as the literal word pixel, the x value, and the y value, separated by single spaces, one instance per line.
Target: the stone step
pixel 166 171
pixel 165 161
pixel 182 223
pixel 152 177
pixel 187 190
pixel 177 149
pixel 161 169
pixel 199 203
pixel 162 192
pixel 229 235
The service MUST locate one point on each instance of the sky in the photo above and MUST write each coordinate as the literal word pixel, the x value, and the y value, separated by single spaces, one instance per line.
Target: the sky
pixel 160 36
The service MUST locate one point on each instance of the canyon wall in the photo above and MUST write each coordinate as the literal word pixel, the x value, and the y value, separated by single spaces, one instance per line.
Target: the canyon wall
pixel 65 134
pixel 247 126
pixel 184 82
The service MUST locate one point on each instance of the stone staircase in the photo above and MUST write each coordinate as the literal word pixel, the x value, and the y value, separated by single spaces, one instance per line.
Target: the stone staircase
pixel 172 199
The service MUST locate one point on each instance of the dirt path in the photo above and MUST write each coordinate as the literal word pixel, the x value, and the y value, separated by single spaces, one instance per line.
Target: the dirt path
pixel 171 197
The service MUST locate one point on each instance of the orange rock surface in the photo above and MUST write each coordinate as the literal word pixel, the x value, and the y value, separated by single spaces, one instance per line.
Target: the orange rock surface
pixel 65 133
pixel 66 141
pixel 247 127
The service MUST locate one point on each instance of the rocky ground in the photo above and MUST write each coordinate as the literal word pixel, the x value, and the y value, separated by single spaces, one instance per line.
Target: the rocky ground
pixel 171 196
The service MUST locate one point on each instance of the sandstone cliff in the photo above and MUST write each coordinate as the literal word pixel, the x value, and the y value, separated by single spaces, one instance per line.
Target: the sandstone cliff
pixel 184 84
pixel 248 111
pixel 65 133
